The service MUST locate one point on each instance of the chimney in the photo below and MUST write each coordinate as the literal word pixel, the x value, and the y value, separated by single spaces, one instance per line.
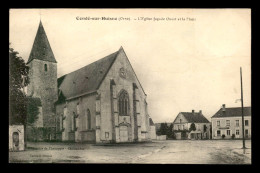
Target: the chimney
pixel 200 112
pixel 223 107
pixel 193 112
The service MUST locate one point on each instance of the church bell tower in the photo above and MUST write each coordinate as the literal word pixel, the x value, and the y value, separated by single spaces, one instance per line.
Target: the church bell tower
pixel 43 76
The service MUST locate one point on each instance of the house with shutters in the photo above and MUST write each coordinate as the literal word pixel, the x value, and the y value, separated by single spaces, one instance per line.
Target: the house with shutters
pixel 101 102
pixel 227 123
pixel 183 122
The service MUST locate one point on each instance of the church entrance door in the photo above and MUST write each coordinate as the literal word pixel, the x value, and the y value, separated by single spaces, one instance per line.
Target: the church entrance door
pixel 123 133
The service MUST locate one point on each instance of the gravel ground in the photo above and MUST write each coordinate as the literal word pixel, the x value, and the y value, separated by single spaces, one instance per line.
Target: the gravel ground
pixel 165 152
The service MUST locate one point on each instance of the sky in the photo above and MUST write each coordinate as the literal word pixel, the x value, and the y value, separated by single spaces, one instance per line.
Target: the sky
pixel 188 60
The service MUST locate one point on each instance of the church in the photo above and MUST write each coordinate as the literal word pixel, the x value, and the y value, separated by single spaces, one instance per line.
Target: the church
pixel 102 102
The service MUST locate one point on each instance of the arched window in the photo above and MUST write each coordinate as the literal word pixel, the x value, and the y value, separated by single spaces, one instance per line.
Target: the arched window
pixel 89 119
pixel 123 103
pixel 45 67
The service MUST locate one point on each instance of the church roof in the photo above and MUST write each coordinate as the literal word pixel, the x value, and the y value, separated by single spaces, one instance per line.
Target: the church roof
pixel 195 118
pixel 41 47
pixel 232 112
pixel 86 79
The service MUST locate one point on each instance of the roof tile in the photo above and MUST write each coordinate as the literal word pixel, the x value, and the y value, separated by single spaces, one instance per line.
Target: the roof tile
pixel 86 79
pixel 232 112
pixel 195 118
pixel 41 47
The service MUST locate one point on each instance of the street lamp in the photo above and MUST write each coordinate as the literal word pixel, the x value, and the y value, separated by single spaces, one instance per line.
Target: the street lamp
pixel 244 147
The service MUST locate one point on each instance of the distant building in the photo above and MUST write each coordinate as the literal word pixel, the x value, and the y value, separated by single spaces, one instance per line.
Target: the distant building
pixel 228 122
pixel 183 121
pixel 152 129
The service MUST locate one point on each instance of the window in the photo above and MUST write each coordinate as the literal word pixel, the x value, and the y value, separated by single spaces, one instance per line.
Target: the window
pixel 180 120
pixel 45 67
pixel 228 122
pixel 237 123
pixel 89 119
pixel 73 123
pixel 228 132
pixel 123 103
pixel 218 123
pixel 107 135
pixel 218 132
pixel 246 122
pixel 63 123
pixel 178 127
pixel 237 132
pixel 65 111
pixel 182 127
pixel 78 109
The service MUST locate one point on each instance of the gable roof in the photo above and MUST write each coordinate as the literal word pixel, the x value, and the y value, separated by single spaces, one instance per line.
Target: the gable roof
pixel 41 47
pixel 86 79
pixel 133 70
pixel 232 112
pixel 194 118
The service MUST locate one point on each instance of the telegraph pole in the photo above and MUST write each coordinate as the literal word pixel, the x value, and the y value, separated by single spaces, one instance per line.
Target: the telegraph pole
pixel 242 107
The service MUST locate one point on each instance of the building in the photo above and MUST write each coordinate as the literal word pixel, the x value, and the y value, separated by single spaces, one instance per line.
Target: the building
pixel 152 129
pixel 43 85
pixel 182 124
pixel 227 122
pixel 101 102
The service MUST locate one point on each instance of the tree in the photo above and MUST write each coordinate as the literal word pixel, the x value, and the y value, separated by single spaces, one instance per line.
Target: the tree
pixel 22 110
pixel 32 110
pixel 192 127
pixel 165 130
pixel 18 78
pixel 170 132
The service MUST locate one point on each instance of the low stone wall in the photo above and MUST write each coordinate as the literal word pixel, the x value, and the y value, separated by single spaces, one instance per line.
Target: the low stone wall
pixel 161 137
pixel 40 133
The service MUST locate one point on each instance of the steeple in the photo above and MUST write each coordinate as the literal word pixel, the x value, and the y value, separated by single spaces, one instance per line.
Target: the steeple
pixel 41 47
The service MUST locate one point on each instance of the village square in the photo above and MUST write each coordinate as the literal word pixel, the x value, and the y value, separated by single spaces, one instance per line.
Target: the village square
pixel 101 113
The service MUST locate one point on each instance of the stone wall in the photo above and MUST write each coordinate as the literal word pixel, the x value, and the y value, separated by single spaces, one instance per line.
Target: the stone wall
pixel 43 84
pixel 152 132
pixel 81 131
pixel 16 137
pixel 122 83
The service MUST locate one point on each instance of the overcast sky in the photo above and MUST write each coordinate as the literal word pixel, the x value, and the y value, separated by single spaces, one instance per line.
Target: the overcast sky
pixel 181 64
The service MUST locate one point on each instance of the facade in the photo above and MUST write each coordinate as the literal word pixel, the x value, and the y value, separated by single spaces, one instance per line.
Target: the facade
pixel 227 122
pixel 183 121
pixel 101 102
